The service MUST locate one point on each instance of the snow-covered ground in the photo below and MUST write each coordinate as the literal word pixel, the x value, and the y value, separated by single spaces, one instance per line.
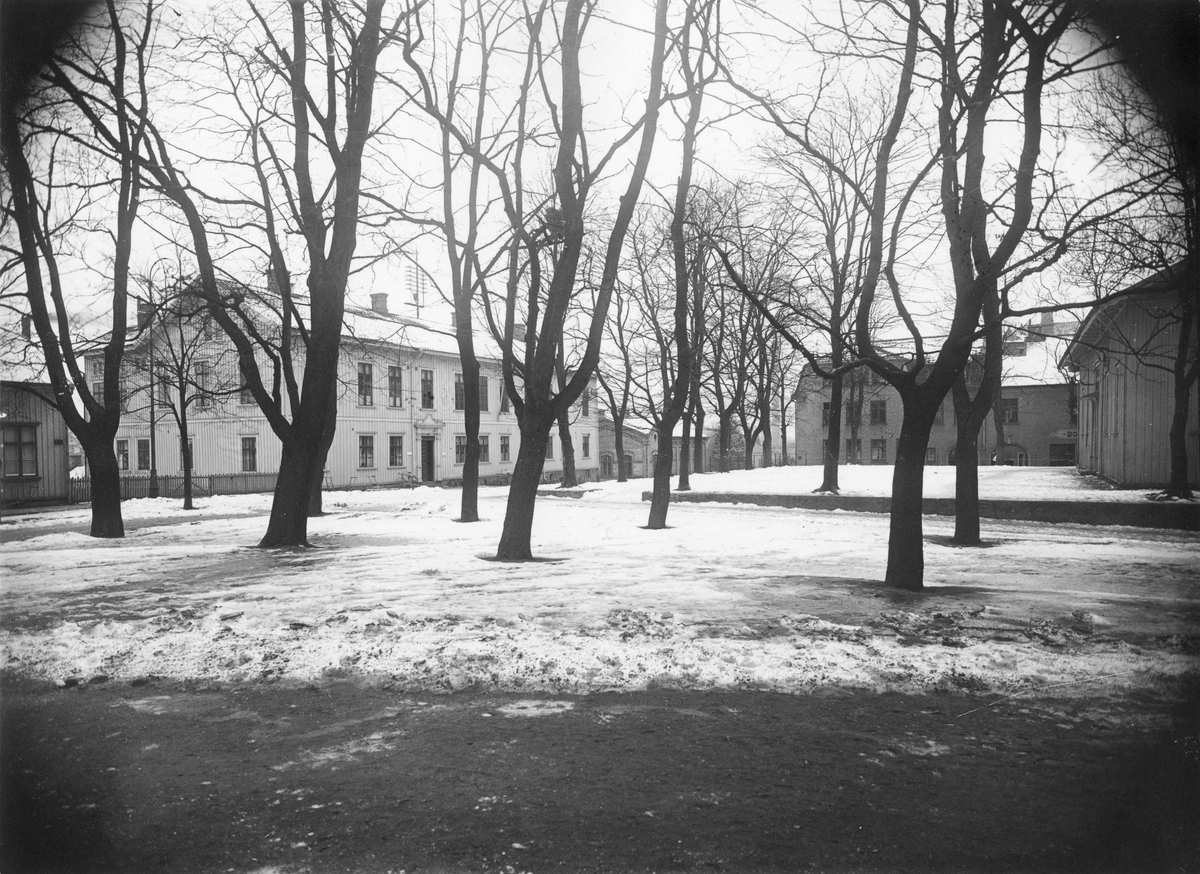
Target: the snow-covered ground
pixel 728 596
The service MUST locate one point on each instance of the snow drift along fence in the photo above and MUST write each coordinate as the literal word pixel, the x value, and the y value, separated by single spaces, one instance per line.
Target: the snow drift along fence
pixel 172 486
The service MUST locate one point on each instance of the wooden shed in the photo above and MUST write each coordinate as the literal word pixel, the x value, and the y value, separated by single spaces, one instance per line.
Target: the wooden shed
pixel 34 447
pixel 1124 354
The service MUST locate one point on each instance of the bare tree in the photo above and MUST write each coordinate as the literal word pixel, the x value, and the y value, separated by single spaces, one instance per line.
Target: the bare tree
pixel 309 82
pixel 458 105
pixel 68 134
pixel 975 68
pixel 179 365
pixel 545 282
pixel 698 53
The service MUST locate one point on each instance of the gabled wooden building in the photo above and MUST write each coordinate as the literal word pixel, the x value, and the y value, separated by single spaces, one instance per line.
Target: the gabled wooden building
pixel 34 444
pixel 1124 354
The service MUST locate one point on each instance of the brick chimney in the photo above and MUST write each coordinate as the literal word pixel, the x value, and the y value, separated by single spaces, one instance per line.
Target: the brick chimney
pixel 379 302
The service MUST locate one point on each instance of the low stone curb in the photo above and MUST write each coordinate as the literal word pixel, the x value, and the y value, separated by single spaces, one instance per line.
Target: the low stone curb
pixel 1180 515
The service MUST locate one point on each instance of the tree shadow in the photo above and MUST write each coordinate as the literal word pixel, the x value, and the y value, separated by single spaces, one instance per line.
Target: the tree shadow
pixel 536 559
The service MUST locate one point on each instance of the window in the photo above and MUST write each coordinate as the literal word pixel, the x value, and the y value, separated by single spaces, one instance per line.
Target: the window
pixel 549 447
pixel 483 393
pixel 460 448
pixel 879 451
pixel 395 395
pixel 123 454
pixel 249 453
pixel 20 450
pixel 825 413
pixel 460 393
pixel 485 455
pixel 246 398
pixel 930 455
pixel 97 368
pixel 427 389
pixel 366 385
pixel 396 450
pixel 1008 411
pixel 628 464
pixel 503 399
pixel 951 456
pixel 587 445
pixel 853 450
pixel 98 392
pixel 606 466
pixel 879 412
pixel 939 417
pixel 504 447
pixel 366 451
pixel 201 384
pixel 143 454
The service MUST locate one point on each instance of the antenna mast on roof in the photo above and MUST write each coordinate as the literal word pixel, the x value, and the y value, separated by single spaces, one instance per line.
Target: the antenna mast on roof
pixel 417 284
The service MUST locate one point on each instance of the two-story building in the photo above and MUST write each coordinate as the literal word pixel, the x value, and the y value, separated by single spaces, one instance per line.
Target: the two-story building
pixel 400 419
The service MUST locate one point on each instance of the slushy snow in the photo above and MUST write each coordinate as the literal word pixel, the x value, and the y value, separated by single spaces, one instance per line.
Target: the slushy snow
pixel 396 591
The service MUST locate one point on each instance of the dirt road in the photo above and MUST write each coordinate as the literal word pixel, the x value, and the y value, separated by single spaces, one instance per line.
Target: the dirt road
pixel 367 778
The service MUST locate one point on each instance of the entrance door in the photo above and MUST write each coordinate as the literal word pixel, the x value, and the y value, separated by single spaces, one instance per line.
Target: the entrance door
pixel 426 459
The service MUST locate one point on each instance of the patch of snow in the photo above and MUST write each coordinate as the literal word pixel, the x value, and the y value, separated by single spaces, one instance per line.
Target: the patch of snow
pixel 727 597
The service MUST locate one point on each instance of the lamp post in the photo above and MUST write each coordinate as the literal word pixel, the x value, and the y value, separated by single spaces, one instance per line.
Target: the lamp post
pixel 2 465
pixel 153 489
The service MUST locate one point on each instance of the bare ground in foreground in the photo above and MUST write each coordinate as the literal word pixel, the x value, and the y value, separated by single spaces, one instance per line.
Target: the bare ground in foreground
pixel 342 777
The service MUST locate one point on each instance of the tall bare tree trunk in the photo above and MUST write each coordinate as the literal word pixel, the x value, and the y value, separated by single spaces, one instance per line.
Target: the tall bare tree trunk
pixel 185 452
pixel 516 536
pixel 619 446
pixel 906 554
pixel 106 484
pixel 570 479
pixel 833 438
pixel 660 497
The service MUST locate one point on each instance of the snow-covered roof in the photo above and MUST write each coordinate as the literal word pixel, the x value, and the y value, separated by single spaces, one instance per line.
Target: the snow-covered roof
pixel 371 325
pixel 1032 351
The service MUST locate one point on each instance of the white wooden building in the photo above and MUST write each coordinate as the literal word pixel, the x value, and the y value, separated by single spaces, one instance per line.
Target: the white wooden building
pixel 400 413
pixel 1123 354
pixel 33 443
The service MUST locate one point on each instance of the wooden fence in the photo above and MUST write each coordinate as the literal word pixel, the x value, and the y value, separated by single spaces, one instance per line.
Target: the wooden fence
pixel 172 486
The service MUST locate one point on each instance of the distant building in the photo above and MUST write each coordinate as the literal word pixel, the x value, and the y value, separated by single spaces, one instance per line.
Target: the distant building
pixel 33 444
pixel 400 418
pixel 638 445
pixel 1124 354
pixel 1036 401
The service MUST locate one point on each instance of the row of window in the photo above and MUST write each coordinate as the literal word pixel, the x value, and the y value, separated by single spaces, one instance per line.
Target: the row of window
pixel 16 451
pixel 366 389
pixel 878 412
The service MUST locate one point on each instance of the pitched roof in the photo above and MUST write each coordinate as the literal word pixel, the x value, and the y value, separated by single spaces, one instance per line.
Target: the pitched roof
pixel 1091 330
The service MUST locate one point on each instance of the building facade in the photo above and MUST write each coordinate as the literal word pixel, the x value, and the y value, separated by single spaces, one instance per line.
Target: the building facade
pixel 1037 407
pixel 1124 354
pixel 401 416
pixel 33 445
pixel 638 445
